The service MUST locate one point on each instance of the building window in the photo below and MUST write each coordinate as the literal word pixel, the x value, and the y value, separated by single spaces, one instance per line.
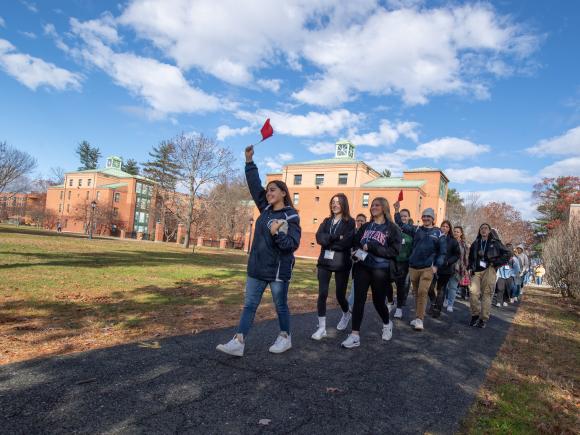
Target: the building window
pixel 61 195
pixel 65 223
pixel 315 221
pixel 117 197
pixel 60 208
pixel 89 182
pixel 69 193
pixel 87 196
pixel 342 178
pixel 98 195
pixel 68 208
pixel 297 179
pixel 443 189
pixel 319 180
pixel 115 211
pixel 365 200
pixel 296 198
pixel 317 199
pixel 70 182
pixel 80 182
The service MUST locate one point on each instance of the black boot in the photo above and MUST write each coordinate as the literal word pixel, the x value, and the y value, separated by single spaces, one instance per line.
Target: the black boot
pixel 474 320
pixel 481 323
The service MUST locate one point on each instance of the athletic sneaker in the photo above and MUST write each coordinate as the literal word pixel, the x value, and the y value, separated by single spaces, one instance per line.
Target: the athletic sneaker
pixel 351 341
pixel 512 300
pixel 390 307
pixel 474 320
pixel 282 344
pixel 505 304
pixel 319 334
pixel 481 323
pixel 413 322
pixel 344 321
pixel 418 325
pixel 398 313
pixel 388 331
pixel 498 304
pixel 233 347
pixel 449 308
pixel 445 303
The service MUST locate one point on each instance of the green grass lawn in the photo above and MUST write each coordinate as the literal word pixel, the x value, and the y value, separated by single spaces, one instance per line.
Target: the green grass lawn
pixel 62 293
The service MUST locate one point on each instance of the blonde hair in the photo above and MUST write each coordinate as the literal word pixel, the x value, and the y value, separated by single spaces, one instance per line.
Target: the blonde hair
pixel 386 208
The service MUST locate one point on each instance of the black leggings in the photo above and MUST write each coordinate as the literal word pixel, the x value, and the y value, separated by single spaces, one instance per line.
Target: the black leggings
pixel 378 280
pixel 341 281
pixel 402 283
pixel 442 281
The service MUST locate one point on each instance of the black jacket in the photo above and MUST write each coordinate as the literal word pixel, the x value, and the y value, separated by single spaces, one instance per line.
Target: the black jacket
pixel 453 254
pixel 339 241
pixel 381 251
pixel 495 254
pixel 271 257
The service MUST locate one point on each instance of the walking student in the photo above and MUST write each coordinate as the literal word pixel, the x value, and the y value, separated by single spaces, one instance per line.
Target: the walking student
pixel 334 236
pixel 377 243
pixel 539 271
pixel 360 220
pixel 524 272
pixel 427 256
pixel 485 256
pixel 276 237
pixel 445 272
pixel 401 272
pixel 460 269
pixel 505 278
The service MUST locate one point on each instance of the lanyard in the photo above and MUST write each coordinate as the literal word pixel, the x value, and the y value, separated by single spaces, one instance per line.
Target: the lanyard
pixel 482 246
pixel 334 227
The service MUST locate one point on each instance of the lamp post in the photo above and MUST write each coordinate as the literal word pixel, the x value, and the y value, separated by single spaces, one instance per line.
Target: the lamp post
pixel 250 238
pixel 93 206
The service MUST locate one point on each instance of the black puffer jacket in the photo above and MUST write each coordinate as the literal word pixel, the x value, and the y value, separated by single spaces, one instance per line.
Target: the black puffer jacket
pixel 452 256
pixel 492 252
pixel 336 238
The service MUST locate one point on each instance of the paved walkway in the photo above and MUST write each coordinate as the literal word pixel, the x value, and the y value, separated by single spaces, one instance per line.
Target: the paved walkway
pixel 418 382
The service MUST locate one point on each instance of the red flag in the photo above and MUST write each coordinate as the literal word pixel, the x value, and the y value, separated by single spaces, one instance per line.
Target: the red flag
pixel 267 130
pixel 400 196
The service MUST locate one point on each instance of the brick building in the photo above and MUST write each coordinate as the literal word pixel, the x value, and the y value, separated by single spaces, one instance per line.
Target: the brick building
pixel 122 201
pixel 312 184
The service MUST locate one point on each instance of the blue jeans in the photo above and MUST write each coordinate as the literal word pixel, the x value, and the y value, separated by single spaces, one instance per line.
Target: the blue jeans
pixel 539 280
pixel 254 291
pixel 452 287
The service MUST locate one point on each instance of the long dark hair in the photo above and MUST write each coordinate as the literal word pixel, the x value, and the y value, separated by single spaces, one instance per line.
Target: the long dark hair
pixel 462 232
pixel 450 233
pixel 284 188
pixel 343 200
pixel 491 236
pixel 386 208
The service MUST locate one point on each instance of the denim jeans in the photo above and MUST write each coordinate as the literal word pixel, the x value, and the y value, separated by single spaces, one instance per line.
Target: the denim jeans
pixel 452 287
pixel 539 280
pixel 254 291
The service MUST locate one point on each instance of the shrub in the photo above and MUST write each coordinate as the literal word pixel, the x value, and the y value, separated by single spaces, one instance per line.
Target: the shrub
pixel 561 259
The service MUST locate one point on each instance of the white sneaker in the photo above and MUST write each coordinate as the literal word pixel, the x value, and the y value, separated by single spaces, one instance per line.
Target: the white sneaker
pixel 511 300
pixel 418 325
pixel 351 341
pixel 319 334
pixel 449 308
pixel 398 313
pixel 233 347
pixel 282 344
pixel 390 307
pixel 498 304
pixel 413 322
pixel 505 304
pixel 388 331
pixel 445 303
pixel 344 321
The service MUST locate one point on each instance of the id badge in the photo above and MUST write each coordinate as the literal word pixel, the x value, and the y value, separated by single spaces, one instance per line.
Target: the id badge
pixel 328 255
pixel 403 242
pixel 360 254
pixel 482 264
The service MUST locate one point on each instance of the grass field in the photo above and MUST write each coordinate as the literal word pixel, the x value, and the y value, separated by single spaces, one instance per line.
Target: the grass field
pixel 63 293
pixel 532 386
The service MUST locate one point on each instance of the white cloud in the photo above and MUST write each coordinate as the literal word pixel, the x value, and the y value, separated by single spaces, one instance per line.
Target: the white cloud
pixel 566 167
pixel 413 52
pixel 308 125
pixel 322 148
pixel 388 134
pixel 380 161
pixel 162 86
pixel 488 175
pixel 270 85
pixel 521 200
pixel 565 144
pixel 276 163
pixel 2 22
pixel 30 6
pixel 34 72
pixel 225 131
pixel 451 148
pixel 29 35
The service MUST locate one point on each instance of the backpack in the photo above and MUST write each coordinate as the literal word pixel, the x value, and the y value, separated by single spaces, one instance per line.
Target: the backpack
pixel 406 248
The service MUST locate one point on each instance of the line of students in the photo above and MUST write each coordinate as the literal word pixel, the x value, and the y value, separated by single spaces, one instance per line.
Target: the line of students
pixel 376 253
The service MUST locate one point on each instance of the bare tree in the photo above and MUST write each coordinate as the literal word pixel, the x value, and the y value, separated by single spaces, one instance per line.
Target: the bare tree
pixel 56 176
pixel 473 217
pixel 14 164
pixel 202 162
pixel 561 259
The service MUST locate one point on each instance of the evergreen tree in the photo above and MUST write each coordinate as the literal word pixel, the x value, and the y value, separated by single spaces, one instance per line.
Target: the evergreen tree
pixel 386 173
pixel 163 167
pixel 131 167
pixel 88 155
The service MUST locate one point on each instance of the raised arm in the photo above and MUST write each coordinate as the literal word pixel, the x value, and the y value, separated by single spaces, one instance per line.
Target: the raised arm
pixel 254 183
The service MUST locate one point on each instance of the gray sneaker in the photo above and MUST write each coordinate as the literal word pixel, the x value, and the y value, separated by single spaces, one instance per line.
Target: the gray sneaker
pixel 282 344
pixel 351 341
pixel 344 321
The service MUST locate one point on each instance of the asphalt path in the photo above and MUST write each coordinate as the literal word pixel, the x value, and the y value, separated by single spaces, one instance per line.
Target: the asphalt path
pixel 418 382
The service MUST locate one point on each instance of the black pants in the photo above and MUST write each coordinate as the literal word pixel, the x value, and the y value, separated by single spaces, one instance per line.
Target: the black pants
pixel 341 281
pixel 442 281
pixel 378 280
pixel 402 282
pixel 503 289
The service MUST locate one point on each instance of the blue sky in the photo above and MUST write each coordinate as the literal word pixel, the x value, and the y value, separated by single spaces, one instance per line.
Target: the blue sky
pixel 487 91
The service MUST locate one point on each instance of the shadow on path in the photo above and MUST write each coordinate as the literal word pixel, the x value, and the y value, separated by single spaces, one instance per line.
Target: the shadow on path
pixel 416 383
